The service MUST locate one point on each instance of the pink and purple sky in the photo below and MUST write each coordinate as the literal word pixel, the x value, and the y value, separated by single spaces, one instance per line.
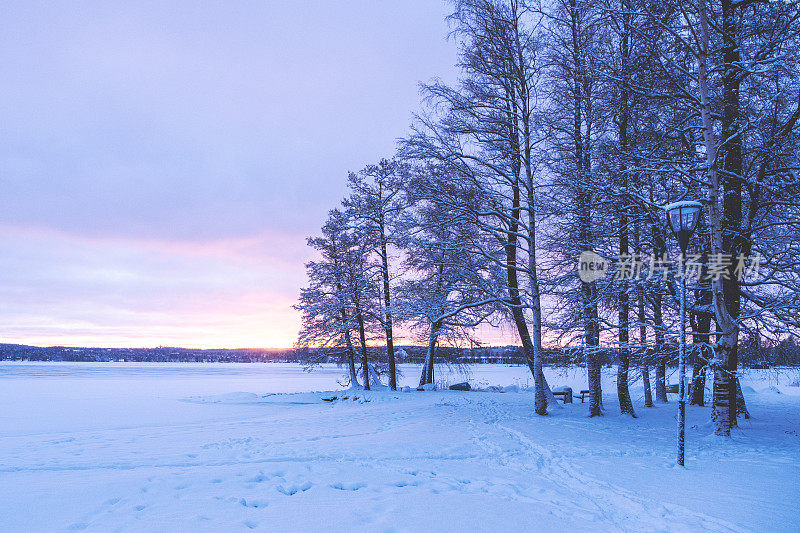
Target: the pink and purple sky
pixel 162 162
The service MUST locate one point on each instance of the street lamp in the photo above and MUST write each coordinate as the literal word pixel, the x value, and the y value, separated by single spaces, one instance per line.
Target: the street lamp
pixel 682 218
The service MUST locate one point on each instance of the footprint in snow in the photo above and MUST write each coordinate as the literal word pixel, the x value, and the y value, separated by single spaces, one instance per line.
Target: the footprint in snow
pixel 255 504
pixel 405 483
pixel 262 477
pixel 290 490
pixel 348 486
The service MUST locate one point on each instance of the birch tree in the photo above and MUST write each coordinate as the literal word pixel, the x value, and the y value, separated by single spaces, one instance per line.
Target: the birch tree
pixel 331 305
pixel 450 290
pixel 570 120
pixel 375 203
pixel 482 131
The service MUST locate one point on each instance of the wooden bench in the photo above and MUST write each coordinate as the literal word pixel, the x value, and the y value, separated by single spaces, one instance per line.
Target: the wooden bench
pixel 583 395
pixel 566 396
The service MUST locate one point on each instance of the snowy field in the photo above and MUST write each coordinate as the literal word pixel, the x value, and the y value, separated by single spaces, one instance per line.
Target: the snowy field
pixel 214 447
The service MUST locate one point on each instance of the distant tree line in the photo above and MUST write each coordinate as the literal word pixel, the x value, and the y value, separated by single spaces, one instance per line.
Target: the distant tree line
pixel 785 353
pixel 21 352
pixel 572 124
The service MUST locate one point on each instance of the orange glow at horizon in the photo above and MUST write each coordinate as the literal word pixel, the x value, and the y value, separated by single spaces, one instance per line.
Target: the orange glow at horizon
pixel 231 332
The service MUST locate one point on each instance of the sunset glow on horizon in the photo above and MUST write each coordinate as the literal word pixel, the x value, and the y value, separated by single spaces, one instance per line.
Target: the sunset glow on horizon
pixel 119 292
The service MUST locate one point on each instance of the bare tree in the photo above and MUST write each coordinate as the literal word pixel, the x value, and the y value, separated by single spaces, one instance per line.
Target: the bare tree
pixel 451 290
pixel 570 119
pixel 375 203
pixel 331 303
pixel 482 131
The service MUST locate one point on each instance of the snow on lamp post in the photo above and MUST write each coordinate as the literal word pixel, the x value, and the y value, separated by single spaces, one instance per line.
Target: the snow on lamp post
pixel 682 218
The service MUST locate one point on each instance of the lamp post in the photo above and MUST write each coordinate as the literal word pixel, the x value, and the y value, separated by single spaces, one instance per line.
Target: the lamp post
pixel 682 218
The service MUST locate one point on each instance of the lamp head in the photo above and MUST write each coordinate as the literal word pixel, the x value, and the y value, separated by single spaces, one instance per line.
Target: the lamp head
pixel 682 218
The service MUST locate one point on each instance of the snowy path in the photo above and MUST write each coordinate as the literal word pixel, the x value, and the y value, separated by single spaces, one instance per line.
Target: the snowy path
pixel 166 459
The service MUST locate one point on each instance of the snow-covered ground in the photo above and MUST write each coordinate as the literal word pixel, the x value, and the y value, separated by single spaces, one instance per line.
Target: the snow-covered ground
pixel 206 447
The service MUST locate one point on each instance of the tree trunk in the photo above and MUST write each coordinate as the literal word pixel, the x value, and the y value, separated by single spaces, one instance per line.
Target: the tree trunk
pixel 741 407
pixel 591 334
pixel 540 396
pixel 595 387
pixel 541 389
pixel 623 391
pixel 512 275
pixel 427 366
pixel 430 370
pixel 702 352
pixel 661 365
pixel 351 355
pixel 387 299
pixel 698 396
pixel 363 337
pixel 648 395
pixel 351 360
pixel 733 241
pixel 720 401
pixel 725 360
pixel 641 310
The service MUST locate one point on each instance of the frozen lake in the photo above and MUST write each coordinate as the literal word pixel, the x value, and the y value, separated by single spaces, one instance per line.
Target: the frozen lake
pixel 66 396
pixel 234 447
